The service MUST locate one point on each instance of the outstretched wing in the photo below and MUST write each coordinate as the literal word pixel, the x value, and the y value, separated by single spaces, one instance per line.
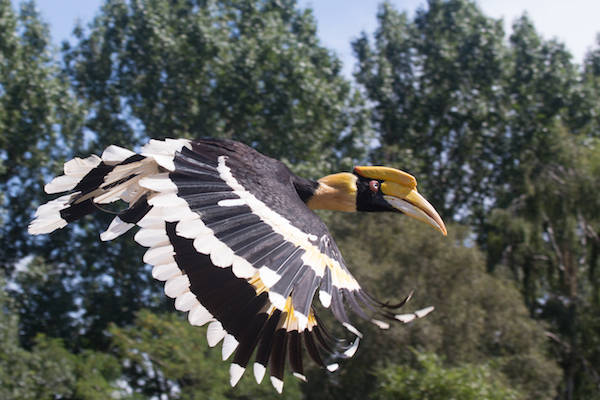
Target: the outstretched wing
pixel 237 247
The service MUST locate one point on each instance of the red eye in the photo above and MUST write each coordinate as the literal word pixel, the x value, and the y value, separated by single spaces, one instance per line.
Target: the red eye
pixel 374 186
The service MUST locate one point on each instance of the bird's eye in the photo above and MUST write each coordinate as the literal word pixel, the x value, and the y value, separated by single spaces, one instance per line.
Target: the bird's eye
pixel 374 186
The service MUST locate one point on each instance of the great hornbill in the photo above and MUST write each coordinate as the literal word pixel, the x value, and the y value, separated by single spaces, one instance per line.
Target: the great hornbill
pixel 232 233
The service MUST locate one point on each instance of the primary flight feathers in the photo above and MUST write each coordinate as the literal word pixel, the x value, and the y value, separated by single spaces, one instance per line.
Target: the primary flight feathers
pixel 232 234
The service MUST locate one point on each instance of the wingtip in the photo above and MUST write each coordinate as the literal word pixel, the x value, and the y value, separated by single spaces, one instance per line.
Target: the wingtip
pixel 300 376
pixel 48 217
pixel 424 311
pixel 352 329
pixel 352 350
pixel 214 333
pixel 42 226
pixel 229 346
pixel 277 384
pixel 277 300
pixel 333 367
pixel 235 374
pixel 199 315
pixel 259 372
pixel 380 324
pixel 406 318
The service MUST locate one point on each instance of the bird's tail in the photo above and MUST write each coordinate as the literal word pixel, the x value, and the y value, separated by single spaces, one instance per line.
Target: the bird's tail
pixel 93 181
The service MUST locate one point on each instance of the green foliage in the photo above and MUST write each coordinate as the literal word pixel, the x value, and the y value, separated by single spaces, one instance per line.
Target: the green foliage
pixel 252 70
pixel 432 381
pixel 590 93
pixel 548 239
pixel 478 318
pixel 38 123
pixel 163 355
pixel 49 370
pixel 436 84
pixel 462 110
pixel 502 135
pixel 46 371
pixel 39 290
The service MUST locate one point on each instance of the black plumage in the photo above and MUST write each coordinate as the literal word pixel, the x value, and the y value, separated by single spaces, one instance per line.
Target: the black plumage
pixel 232 233
pixel 264 349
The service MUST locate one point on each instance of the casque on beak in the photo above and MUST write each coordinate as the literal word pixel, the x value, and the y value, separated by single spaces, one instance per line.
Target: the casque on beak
pixel 399 189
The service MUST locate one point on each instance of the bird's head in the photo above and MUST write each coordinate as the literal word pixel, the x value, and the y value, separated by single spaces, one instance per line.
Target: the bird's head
pixel 372 188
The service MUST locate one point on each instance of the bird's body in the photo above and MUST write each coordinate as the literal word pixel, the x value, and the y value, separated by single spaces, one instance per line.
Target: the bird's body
pixel 232 233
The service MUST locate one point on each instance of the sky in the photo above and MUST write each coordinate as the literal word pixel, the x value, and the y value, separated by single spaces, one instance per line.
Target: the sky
pixel 574 22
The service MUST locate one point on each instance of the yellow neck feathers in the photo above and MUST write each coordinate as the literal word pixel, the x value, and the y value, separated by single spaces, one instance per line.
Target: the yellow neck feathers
pixel 335 192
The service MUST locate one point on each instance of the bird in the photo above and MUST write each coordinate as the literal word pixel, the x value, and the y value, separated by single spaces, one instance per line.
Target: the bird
pixel 233 235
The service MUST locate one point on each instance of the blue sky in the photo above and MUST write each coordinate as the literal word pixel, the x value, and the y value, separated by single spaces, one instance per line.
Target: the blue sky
pixel 574 22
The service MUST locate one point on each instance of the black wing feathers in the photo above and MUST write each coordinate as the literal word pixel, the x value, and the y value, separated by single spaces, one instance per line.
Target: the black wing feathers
pixel 304 291
pixel 249 339
pixel 264 349
pixel 248 211
pixel 295 353
pixel 135 212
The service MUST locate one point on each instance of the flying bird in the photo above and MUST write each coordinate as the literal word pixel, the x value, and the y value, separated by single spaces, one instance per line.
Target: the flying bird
pixel 233 235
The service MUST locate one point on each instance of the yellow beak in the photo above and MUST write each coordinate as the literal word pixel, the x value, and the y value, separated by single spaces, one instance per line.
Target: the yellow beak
pixel 411 203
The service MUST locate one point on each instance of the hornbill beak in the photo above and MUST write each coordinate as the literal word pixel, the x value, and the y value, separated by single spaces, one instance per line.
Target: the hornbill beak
pixel 414 205
pixel 399 190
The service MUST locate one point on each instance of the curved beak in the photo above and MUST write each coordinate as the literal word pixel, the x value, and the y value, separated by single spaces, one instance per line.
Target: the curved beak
pixel 411 203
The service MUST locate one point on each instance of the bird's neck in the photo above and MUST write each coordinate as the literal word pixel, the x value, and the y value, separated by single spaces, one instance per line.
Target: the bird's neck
pixel 305 187
pixel 332 192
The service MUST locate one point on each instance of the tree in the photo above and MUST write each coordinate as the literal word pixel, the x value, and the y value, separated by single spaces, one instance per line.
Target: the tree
pixel 541 85
pixel 251 70
pixel 548 238
pixel 163 355
pixel 49 370
pixel 38 119
pixel 432 381
pixel 501 134
pixel 545 229
pixel 436 85
pixel 517 166
pixel 39 122
pixel 479 318
pixel 588 105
